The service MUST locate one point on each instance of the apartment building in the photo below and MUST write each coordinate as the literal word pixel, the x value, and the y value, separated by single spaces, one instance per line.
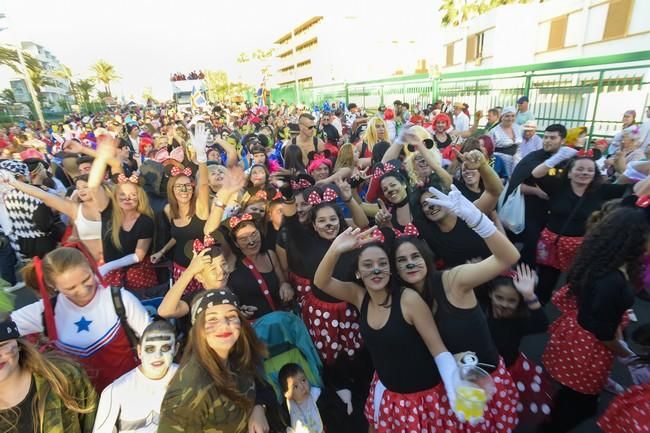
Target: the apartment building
pixel 60 90
pixel 546 32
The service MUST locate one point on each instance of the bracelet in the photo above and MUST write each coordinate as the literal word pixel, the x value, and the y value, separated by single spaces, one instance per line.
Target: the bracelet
pixel 531 301
pixel 477 223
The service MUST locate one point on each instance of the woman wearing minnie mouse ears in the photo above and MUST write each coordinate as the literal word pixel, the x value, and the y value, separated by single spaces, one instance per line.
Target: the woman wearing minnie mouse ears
pixel 573 197
pixel 127 224
pixel 188 209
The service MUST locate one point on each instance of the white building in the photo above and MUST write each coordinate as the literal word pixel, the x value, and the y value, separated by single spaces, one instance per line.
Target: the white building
pixel 546 32
pixel 337 48
pixel 49 62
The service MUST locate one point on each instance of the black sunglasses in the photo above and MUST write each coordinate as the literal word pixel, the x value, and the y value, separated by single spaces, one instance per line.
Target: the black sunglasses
pixel 428 143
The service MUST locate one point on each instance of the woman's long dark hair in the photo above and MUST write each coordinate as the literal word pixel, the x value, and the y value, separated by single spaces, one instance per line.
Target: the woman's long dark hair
pixel 293 159
pixel 619 239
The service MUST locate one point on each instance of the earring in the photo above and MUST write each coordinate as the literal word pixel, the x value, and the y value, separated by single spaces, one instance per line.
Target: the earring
pixel 358 277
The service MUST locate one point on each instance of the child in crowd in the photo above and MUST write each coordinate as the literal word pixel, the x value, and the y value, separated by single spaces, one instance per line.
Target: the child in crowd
pixel 301 400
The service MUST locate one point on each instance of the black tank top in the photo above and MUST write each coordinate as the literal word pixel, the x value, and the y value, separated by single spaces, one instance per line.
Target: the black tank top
pixel 402 360
pixel 185 238
pixel 463 329
pixel 455 247
pixel 242 282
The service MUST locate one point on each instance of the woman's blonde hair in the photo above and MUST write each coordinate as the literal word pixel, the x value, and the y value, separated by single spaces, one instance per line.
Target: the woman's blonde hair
pixel 345 157
pixel 54 263
pixel 370 137
pixel 245 358
pixel 118 215
pixel 51 368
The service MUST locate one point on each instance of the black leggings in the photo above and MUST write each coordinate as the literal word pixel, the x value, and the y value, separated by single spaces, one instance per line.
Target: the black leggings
pixel 548 278
pixel 570 409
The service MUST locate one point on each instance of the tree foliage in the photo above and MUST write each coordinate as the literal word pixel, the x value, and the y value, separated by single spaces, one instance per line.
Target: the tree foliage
pixel 105 73
pixel 220 87
pixel 456 12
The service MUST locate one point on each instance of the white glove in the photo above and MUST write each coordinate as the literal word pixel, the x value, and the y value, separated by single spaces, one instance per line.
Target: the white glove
pixel 448 369
pixel 199 142
pixel 346 397
pixel 564 153
pixel 632 173
pixel 464 209
pixel 127 260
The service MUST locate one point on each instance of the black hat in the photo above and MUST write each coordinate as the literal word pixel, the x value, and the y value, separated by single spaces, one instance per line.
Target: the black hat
pixel 211 298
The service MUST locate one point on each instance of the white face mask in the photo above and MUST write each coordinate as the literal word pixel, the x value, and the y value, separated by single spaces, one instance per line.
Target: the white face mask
pixel 157 352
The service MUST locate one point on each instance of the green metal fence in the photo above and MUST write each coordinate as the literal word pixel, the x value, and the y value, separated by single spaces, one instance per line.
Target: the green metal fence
pixel 592 92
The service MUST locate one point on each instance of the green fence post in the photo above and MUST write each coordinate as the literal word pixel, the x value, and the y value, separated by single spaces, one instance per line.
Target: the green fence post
pixel 381 95
pixel 347 94
pixel 527 83
pixel 599 89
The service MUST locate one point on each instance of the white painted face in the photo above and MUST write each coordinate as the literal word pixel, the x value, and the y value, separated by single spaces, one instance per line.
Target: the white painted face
pixel 157 351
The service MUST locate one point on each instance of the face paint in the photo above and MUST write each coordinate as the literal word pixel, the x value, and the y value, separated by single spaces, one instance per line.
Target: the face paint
pixel 157 352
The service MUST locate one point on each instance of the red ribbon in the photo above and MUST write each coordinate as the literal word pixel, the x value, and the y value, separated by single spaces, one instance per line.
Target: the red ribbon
pixel 409 230
pixel 314 198
pixel 378 236
pixel 131 179
pixel 235 221
pixel 262 195
pixel 585 153
pixel 176 171
pixel 48 311
pixel 264 288
pixel 198 246
pixel 643 201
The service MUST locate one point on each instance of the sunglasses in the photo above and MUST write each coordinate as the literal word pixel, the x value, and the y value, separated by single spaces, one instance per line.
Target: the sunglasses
pixel 428 143
pixel 310 126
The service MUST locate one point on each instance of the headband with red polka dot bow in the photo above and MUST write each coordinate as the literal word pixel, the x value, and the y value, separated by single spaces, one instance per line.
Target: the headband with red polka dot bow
pixel 300 184
pixel 382 169
pixel 409 230
pixel 131 179
pixel 235 221
pixel 177 171
pixel 378 236
pixel 198 246
pixel 329 195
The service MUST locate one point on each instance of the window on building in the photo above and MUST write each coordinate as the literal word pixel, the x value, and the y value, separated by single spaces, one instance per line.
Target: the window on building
pixel 618 18
pixel 474 47
pixel 557 33
pixel 421 66
pixel 450 55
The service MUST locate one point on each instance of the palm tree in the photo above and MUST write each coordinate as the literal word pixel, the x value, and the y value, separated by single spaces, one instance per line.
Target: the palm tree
pixel 7 97
pixel 456 12
pixel 84 87
pixel 40 80
pixel 9 57
pixel 243 58
pixel 105 73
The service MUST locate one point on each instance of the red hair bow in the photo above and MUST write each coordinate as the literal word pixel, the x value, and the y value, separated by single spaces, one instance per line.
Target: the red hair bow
pixel 277 196
pixel 409 230
pixel 643 201
pixel 131 179
pixel 378 236
pixel 235 221
pixel 300 184
pixel 262 195
pixel 382 170
pixel 199 246
pixel 585 153
pixel 328 195
pixel 176 171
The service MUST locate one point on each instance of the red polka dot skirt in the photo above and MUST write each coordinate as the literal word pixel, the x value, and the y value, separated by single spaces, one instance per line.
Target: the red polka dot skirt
pixel 574 356
pixel 191 288
pixel 421 412
pixel 301 285
pixel 333 327
pixel 629 412
pixel 557 255
pixel 535 391
pixel 137 277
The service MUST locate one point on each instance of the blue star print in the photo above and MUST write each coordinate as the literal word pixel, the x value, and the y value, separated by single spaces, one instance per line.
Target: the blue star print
pixel 83 324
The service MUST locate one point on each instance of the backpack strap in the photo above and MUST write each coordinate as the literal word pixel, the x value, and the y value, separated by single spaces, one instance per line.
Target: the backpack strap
pixel 52 300
pixel 315 144
pixel 118 303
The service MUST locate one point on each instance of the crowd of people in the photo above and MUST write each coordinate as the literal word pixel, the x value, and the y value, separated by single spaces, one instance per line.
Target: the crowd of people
pixel 414 248
pixel 194 75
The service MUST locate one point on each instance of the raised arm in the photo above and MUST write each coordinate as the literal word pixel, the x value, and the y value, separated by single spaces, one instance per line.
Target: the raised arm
pixel 106 146
pixel 345 291
pixel 65 206
pixel 358 214
pixel 172 306
pixel 231 152
pixel 562 154
pixel 493 186
pixel 428 156
pixel 464 278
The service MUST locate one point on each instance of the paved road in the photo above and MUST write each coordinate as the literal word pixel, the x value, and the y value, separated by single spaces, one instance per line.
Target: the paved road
pixel 532 346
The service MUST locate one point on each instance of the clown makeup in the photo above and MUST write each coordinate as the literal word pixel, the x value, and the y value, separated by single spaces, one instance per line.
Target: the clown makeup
pixel 411 266
pixel 156 351
pixel 8 358
pixel 327 223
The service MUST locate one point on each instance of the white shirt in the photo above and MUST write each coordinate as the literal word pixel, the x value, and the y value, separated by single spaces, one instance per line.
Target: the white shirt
pixel 461 122
pixel 305 417
pixel 132 402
